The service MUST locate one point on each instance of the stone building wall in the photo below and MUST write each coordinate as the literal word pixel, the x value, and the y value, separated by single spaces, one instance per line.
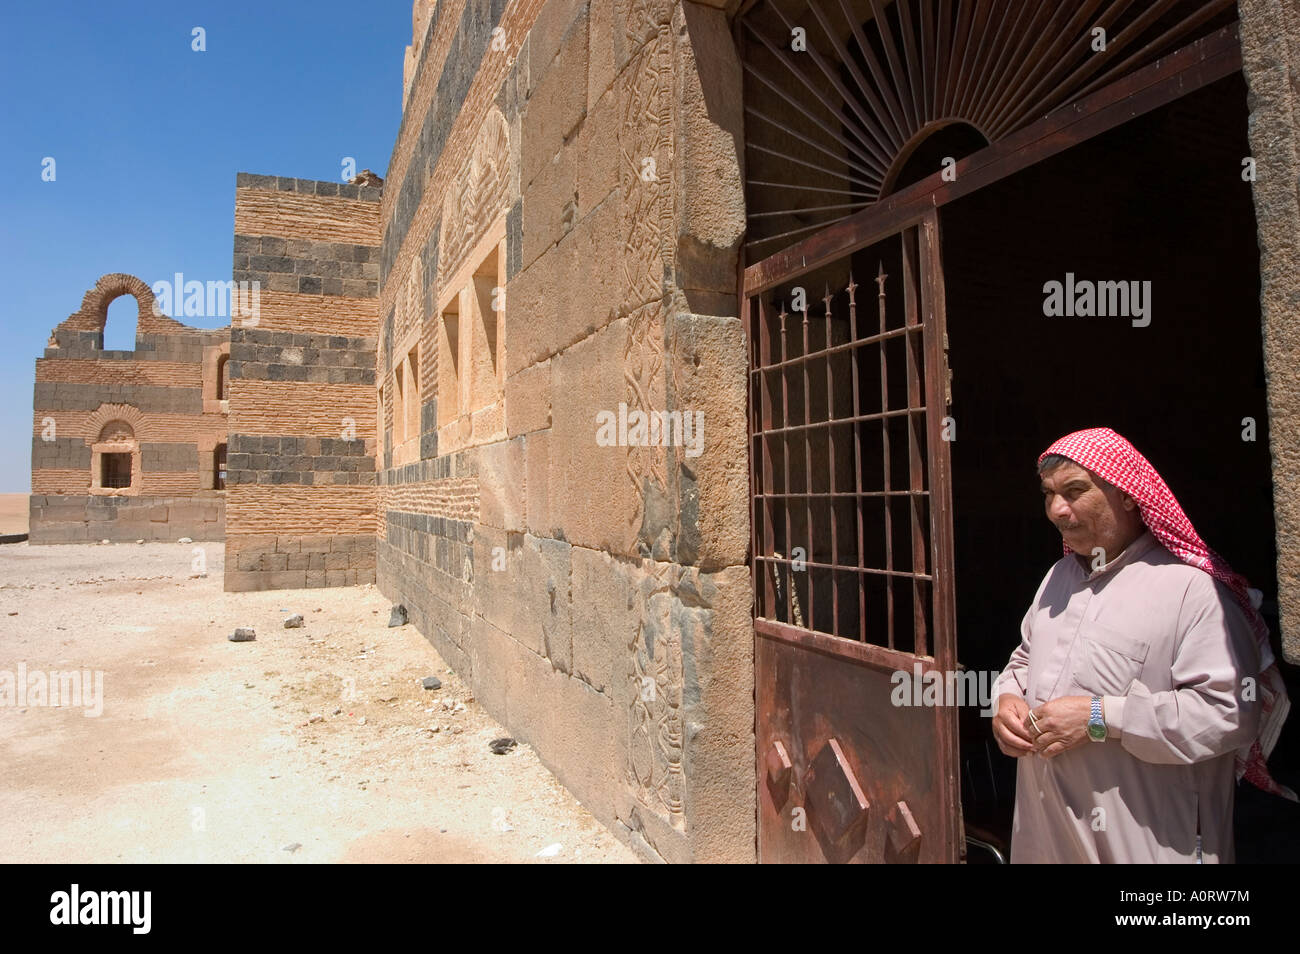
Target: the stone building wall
pixel 1270 50
pixel 560 227
pixel 301 483
pixel 156 409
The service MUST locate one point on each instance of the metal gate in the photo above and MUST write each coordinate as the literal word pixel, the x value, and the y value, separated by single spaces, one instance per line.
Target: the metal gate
pixel 843 307
pixel 851 515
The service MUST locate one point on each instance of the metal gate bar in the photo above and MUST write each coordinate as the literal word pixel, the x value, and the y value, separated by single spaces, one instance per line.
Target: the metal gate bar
pixel 803 558
pixel 840 546
pixel 1171 77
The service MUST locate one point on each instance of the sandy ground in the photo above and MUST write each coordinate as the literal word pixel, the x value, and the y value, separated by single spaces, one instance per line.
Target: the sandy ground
pixel 13 513
pixel 307 745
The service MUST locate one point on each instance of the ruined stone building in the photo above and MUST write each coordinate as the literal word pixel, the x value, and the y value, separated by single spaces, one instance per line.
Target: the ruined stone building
pixel 684 379
pixel 129 444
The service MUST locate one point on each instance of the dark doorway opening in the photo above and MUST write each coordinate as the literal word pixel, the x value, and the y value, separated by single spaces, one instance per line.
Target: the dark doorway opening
pixel 1160 199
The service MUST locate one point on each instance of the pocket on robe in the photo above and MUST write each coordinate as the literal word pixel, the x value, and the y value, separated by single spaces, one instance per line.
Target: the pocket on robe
pixel 1109 660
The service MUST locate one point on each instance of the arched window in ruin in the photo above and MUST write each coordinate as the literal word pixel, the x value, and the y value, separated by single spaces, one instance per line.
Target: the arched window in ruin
pixel 121 325
pixel 85 327
pixel 216 378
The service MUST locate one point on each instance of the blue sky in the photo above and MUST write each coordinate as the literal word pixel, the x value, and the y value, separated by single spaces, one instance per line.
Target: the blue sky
pixel 147 136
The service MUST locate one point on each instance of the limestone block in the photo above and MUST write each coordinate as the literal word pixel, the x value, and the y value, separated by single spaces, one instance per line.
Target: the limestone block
pixel 555 21
pixel 556 105
pixel 246 558
pixel 594 290
pixel 574 288
pixel 709 363
pixel 597 144
pixel 550 204
pixel 488 424
pixel 240 581
pixel 501 484
pixel 600 52
pixel 491 654
pixel 493 586
pixel 290 580
pixel 522 588
pixel 528 399
pixel 575 730
pixel 542 598
pixel 533 303
pixel 718 757
pixel 596 496
pixel 606 617
pixel 706 152
pixel 539 509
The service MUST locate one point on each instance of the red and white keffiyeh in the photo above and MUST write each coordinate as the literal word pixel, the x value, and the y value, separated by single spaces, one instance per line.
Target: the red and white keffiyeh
pixel 1115 460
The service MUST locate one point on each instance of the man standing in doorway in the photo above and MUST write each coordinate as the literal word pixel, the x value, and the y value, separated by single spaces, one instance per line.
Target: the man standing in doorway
pixel 1143 675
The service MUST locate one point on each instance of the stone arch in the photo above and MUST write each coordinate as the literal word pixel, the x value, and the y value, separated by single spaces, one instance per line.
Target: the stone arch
pixel 125 414
pixel 93 313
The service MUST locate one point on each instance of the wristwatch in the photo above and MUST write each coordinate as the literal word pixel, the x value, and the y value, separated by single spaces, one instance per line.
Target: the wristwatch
pixel 1096 725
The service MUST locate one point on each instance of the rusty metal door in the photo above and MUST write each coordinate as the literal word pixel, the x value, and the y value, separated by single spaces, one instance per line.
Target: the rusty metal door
pixel 852 556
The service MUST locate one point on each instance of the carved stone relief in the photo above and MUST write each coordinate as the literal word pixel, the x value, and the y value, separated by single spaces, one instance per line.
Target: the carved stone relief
pixel 478 193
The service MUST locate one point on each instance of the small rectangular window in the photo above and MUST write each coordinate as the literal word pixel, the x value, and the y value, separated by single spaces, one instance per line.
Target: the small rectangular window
pixel 449 364
pixel 412 408
pixel 488 299
pixel 115 470
pixel 219 468
pixel 399 402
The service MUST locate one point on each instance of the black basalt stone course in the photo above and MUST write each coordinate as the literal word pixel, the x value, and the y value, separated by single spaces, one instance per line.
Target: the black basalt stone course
pixel 468 44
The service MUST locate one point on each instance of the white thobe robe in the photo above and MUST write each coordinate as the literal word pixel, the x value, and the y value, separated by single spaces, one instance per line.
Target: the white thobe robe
pixel 1172 655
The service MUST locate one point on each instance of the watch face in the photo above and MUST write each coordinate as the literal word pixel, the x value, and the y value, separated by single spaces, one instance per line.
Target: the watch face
pixel 1097 730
